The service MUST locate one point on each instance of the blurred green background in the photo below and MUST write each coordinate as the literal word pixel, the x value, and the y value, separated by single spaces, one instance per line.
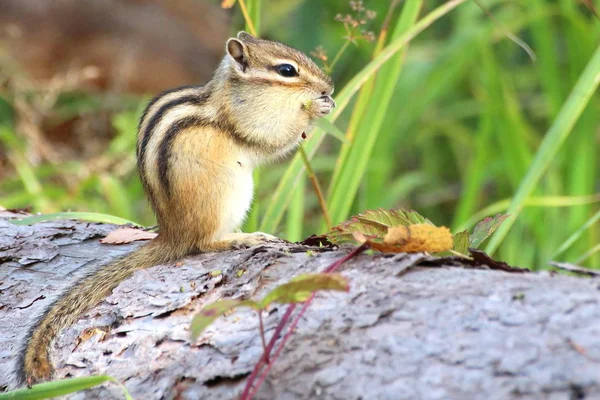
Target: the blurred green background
pixel 453 125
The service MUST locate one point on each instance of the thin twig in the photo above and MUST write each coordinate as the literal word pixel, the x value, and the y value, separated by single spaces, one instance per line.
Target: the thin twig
pixel 385 27
pixel 508 33
pixel 575 268
pixel 270 346
pixel 338 55
pixel 317 188
pixel 262 335
pixel 591 7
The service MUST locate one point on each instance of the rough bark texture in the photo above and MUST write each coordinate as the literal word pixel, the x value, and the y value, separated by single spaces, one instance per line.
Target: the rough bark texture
pixel 402 332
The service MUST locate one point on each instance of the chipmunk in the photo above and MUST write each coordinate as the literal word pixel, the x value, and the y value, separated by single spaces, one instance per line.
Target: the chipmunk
pixel 196 149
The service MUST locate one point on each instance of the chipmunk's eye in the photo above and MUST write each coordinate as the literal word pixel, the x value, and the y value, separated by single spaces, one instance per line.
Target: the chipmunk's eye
pixel 287 70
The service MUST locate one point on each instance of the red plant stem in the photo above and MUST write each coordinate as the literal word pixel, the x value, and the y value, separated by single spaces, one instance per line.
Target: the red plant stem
pixel 262 335
pixel 333 267
pixel 289 332
pixel 248 394
pixel 265 355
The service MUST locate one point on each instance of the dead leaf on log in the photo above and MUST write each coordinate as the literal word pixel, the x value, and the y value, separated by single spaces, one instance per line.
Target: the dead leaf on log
pixel 317 240
pixel 127 235
pixel 482 258
pixel 415 238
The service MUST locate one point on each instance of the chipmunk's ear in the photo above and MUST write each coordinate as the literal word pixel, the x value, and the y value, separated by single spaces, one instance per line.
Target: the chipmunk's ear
pixel 238 51
pixel 242 35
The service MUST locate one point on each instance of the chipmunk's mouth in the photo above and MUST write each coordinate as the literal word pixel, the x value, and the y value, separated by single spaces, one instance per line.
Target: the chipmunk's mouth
pixel 303 135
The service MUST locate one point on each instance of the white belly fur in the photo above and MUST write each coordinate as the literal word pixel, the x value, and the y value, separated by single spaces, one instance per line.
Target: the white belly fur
pixel 237 201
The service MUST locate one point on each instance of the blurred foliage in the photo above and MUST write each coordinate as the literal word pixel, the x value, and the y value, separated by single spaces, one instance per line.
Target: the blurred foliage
pixel 449 127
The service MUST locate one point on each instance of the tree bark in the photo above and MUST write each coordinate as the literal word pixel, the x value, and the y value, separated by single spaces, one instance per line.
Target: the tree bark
pixel 405 330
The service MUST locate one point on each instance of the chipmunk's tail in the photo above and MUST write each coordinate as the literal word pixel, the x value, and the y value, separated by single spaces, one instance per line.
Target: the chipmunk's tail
pixel 34 361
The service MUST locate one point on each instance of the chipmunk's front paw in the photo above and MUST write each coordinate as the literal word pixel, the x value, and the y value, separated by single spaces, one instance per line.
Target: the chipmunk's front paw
pixel 323 105
pixel 320 106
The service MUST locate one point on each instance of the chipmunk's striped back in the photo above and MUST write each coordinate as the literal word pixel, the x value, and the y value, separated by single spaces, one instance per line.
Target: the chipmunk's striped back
pixel 155 132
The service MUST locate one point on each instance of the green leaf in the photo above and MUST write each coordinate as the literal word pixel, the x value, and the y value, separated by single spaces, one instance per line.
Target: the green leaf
pixel 374 224
pixel 48 390
pixel 485 228
pixel 213 311
pixel 461 242
pixel 302 287
pixel 85 216
pixel 329 127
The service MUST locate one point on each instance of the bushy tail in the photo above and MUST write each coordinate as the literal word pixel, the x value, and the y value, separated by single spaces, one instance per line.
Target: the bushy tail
pixel 34 361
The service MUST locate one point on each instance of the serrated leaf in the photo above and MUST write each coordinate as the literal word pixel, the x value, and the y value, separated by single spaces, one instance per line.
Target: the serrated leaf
pixel 213 311
pixel 374 224
pixel 485 228
pixel 395 217
pixel 461 242
pixel 302 287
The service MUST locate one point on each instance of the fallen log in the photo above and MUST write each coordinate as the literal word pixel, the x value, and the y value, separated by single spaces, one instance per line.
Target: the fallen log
pixel 407 329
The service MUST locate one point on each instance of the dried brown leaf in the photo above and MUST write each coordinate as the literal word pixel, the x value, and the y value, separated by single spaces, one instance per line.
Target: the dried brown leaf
pixel 374 224
pixel 481 258
pixel 420 238
pixel 127 235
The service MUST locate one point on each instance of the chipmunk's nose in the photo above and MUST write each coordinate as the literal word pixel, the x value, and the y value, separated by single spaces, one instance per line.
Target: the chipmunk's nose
pixel 328 92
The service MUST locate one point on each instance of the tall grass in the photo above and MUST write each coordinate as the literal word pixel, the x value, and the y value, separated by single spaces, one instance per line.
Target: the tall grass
pixel 443 114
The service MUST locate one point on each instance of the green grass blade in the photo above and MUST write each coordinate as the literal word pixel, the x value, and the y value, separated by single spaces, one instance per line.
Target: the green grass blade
pixel 576 235
pixel 254 9
pixel 251 224
pixel 587 254
pixel 49 390
pixel 559 131
pixel 295 214
pixel 543 201
pixel 84 216
pixel 327 126
pixel 116 194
